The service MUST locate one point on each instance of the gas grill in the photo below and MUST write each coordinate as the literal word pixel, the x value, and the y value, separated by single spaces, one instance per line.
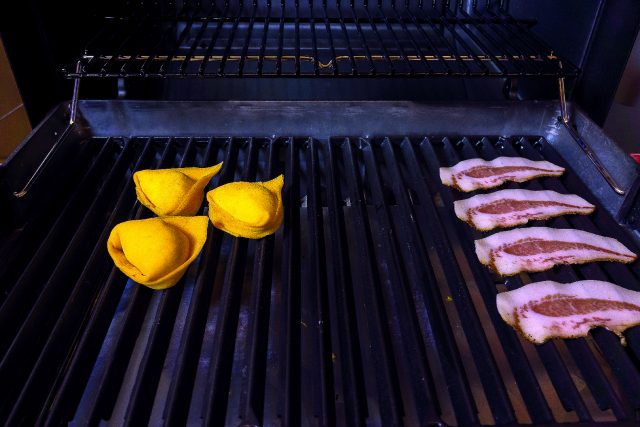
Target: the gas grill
pixel 369 305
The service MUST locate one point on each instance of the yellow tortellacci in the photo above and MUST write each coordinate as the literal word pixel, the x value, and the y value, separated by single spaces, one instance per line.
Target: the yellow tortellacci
pixel 177 191
pixel 247 209
pixel 156 252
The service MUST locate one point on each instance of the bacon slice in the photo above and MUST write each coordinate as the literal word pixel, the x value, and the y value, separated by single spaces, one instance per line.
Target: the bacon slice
pixel 544 310
pixel 472 174
pixel 540 248
pixel 507 208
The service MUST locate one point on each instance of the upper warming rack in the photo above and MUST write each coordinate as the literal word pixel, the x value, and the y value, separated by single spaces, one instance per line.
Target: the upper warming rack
pixel 319 38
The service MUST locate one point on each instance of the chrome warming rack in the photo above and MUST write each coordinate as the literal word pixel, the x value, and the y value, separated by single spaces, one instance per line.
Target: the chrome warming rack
pixel 320 39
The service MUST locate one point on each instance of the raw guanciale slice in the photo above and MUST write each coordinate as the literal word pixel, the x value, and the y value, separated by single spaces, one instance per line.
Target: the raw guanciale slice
pixel 508 208
pixel 540 248
pixel 474 174
pixel 544 310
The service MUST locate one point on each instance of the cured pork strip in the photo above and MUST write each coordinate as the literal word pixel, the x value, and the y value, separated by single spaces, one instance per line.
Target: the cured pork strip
pixel 473 174
pixel 508 208
pixel 540 248
pixel 544 310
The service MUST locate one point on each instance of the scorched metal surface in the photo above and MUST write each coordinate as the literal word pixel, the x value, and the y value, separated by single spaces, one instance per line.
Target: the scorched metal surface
pixel 368 306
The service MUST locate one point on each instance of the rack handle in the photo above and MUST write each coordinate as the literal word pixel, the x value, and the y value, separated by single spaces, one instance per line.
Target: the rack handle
pixel 566 121
pixel 72 120
pixel 595 160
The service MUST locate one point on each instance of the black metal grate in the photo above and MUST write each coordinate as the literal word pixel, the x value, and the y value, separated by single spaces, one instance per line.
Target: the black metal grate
pixel 368 305
pixel 320 38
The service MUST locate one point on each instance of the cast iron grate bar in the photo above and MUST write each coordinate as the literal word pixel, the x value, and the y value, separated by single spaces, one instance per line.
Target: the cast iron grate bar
pixel 252 397
pixel 175 407
pixel 344 39
pixel 367 306
pixel 386 383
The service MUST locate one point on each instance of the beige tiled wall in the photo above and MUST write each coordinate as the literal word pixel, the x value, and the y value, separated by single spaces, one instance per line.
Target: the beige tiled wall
pixel 14 122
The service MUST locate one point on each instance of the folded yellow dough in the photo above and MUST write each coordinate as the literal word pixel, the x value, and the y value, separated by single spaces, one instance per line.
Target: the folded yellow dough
pixel 176 191
pixel 247 209
pixel 156 252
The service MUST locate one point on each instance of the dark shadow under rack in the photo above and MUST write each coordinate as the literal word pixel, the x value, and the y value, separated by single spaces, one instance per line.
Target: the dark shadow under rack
pixel 323 39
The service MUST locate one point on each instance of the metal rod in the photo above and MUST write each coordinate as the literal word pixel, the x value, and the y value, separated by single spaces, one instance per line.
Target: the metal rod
pixel 75 96
pixel 247 40
pixel 159 46
pixel 566 120
pixel 281 38
pixel 214 39
pixel 263 44
pixel 314 42
pixel 365 45
pixel 72 120
pixel 385 52
pixel 415 44
pixel 232 36
pixel 476 40
pixel 297 37
pixel 354 67
pixel 133 33
pixel 427 38
pixel 507 25
pixel 334 61
pixel 196 41
pixel 470 55
pixel 176 48
pixel 403 54
pixel 504 42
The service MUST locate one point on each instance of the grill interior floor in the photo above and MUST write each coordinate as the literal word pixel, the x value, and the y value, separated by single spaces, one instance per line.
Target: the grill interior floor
pixel 367 306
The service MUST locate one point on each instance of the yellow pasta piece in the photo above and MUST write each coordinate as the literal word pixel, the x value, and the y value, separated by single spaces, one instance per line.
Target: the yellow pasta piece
pixel 156 252
pixel 177 191
pixel 247 209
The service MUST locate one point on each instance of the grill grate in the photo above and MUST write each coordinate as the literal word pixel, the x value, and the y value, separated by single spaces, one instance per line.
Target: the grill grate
pixel 368 305
pixel 385 38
